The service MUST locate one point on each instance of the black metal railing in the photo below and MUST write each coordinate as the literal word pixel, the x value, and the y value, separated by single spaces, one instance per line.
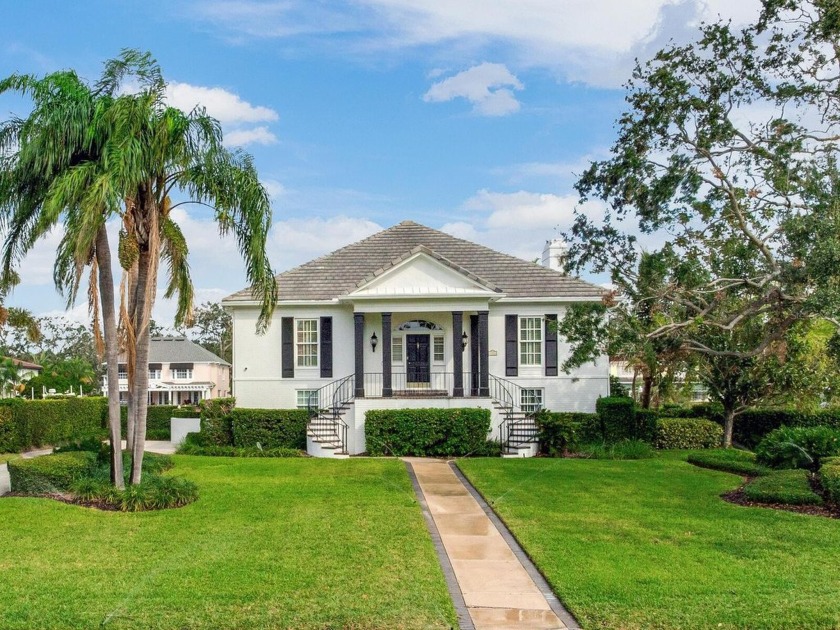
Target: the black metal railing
pixel 326 407
pixel 414 385
pixel 514 429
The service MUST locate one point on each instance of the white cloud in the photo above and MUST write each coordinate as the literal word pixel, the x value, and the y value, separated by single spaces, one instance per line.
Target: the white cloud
pixel 488 86
pixel 296 241
pixel 226 107
pixel 274 188
pixel 594 41
pixel 242 137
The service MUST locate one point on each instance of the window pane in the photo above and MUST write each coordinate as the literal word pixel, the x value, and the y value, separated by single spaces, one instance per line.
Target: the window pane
pixel 304 396
pixel 307 342
pixel 438 354
pixel 530 340
pixel 396 349
pixel 531 400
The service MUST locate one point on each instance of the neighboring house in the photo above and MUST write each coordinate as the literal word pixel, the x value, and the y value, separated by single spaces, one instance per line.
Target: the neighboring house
pixel 631 379
pixel 26 369
pixel 180 372
pixel 414 317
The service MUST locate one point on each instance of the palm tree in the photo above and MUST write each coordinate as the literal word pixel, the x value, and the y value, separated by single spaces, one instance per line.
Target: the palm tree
pixel 142 153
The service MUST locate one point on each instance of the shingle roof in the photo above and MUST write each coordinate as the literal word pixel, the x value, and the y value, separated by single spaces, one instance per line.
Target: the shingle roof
pixel 339 273
pixel 26 365
pixel 180 350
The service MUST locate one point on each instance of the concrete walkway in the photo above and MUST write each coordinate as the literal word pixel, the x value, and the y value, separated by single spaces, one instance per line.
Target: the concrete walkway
pixel 498 591
pixel 152 446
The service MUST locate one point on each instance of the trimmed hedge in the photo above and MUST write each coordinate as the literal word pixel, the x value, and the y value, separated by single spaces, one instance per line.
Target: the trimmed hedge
pixel 830 479
pixel 729 460
pixel 216 429
pixel 687 433
pixel 427 432
pixel 799 447
pixel 157 421
pixel 270 428
pixel 617 415
pixel 27 424
pixel 181 412
pixel 790 487
pixel 235 451
pixel 51 473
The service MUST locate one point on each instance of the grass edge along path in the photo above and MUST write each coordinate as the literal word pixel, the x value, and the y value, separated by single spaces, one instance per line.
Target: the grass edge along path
pixel 650 544
pixel 297 543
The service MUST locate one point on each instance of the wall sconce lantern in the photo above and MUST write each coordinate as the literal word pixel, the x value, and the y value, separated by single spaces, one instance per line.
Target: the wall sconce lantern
pixel 463 341
pixel 374 340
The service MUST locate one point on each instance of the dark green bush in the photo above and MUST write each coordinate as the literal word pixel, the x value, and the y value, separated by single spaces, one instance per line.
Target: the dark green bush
pixel 798 447
pixel 644 426
pixel 50 473
pixel 707 410
pixel 427 432
pixel 186 412
pixel 269 428
pixel 790 487
pixel 729 460
pixel 27 424
pixel 623 449
pixel 618 418
pixel 235 451
pixel 558 432
pixel 216 427
pixel 687 433
pixel 830 479
pixel 753 425
pixel 157 421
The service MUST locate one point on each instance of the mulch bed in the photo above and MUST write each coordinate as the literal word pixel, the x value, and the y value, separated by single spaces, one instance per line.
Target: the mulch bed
pixel 737 497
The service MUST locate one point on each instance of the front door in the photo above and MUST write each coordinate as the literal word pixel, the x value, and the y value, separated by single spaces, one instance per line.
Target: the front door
pixel 417 358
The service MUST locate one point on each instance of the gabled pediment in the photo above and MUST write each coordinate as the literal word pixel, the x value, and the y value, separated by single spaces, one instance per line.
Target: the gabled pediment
pixel 422 272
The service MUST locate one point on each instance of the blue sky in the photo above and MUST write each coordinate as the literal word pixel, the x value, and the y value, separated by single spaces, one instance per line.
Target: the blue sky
pixel 471 116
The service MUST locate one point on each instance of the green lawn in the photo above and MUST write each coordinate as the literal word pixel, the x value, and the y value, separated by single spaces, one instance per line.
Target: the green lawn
pixel 271 543
pixel 4 457
pixel 650 544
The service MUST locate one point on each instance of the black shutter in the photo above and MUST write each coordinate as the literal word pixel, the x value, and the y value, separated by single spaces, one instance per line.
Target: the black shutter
pixel 551 345
pixel 511 345
pixel 326 348
pixel 287 331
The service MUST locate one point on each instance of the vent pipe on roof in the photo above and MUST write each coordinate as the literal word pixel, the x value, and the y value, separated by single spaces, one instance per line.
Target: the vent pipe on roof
pixel 554 254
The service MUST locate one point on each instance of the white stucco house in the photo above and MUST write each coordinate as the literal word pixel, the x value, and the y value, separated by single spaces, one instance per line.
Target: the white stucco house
pixel 414 317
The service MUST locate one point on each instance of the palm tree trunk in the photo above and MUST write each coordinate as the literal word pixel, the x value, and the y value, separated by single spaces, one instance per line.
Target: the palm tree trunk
pixel 141 317
pixel 647 390
pixel 109 329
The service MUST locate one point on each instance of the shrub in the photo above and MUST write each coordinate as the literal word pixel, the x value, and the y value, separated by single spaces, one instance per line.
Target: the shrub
pixel 157 421
pixel 729 460
pixel 427 432
pixel 798 447
pixel 154 493
pixel 50 473
pixel 708 410
pixel 557 432
pixel 270 428
pixel 687 433
pixel 26 424
pixel 216 427
pixel 791 487
pixel 623 449
pixel 753 425
pixel 235 451
pixel 617 415
pixel 644 426
pixel 830 479
pixel 185 412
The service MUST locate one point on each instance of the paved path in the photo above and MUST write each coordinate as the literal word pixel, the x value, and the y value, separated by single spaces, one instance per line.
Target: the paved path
pixel 498 591
pixel 152 446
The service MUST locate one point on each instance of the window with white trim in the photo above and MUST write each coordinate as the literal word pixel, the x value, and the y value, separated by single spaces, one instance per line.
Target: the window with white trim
pixel 181 374
pixel 154 375
pixel 307 342
pixel 396 349
pixel 304 396
pixel 530 340
pixel 122 375
pixel 438 354
pixel 530 400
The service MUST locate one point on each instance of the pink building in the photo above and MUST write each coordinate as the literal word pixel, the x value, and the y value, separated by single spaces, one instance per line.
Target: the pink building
pixel 180 372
